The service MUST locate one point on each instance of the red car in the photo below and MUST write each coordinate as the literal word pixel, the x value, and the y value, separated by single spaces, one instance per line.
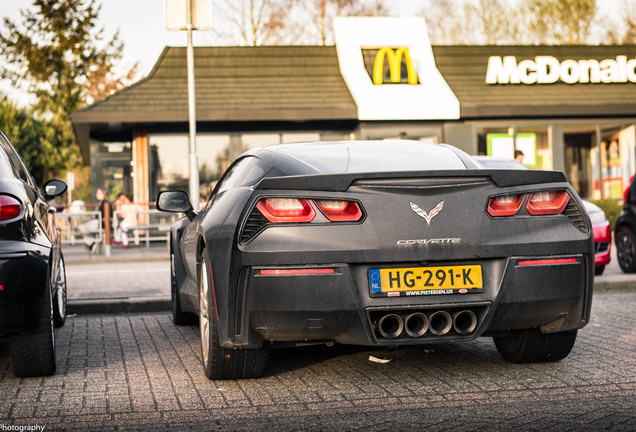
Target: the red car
pixel 602 236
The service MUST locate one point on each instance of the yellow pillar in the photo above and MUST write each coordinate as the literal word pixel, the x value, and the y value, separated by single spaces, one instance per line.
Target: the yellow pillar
pixel 141 165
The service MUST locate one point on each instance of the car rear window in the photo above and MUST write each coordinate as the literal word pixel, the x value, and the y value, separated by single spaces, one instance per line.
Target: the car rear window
pixel 376 156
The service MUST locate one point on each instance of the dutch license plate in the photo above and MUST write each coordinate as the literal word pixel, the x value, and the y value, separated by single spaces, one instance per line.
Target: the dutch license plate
pixel 426 280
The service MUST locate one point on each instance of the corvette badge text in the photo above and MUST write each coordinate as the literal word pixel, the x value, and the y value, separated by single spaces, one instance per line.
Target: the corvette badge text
pixel 429 241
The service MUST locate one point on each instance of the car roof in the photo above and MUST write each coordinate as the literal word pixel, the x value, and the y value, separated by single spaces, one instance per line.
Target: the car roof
pixel 342 157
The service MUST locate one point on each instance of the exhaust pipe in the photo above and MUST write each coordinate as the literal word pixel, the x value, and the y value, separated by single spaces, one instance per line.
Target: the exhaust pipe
pixel 390 326
pixel 416 324
pixel 464 322
pixel 440 323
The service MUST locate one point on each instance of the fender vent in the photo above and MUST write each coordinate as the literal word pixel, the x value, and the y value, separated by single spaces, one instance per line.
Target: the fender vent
pixel 240 300
pixel 255 222
pixel 573 212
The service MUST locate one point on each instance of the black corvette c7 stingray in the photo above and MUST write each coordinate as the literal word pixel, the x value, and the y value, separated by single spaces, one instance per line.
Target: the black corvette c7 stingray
pixel 379 244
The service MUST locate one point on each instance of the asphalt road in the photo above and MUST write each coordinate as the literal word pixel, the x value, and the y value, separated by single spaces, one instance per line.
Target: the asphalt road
pixel 117 280
pixel 141 372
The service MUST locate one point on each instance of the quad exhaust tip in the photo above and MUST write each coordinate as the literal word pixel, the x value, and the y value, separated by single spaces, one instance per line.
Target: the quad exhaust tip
pixel 391 326
pixel 464 322
pixel 440 323
pixel 417 324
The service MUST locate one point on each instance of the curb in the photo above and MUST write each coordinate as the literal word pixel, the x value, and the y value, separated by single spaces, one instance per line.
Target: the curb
pixel 114 259
pixel 614 286
pixel 118 306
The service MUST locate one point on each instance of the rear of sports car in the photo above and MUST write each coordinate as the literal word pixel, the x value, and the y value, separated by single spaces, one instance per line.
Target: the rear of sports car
pixel 406 258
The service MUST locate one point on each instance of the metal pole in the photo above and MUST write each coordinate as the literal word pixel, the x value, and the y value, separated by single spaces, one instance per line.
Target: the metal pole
pixel 194 159
pixel 598 145
pixel 107 216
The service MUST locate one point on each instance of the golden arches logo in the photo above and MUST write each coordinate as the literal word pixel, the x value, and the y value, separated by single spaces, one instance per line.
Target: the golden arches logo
pixel 395 65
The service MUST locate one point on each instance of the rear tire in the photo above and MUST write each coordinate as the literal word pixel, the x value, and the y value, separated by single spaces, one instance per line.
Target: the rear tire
pixel 532 346
pixel 60 294
pixel 218 362
pixel 178 316
pixel 34 354
pixel 626 249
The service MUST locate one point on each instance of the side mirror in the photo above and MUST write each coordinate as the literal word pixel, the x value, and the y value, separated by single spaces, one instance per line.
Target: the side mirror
pixel 54 188
pixel 175 201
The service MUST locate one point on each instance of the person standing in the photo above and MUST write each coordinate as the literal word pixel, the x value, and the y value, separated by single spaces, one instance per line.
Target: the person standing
pixel 90 228
pixel 105 205
pixel 128 211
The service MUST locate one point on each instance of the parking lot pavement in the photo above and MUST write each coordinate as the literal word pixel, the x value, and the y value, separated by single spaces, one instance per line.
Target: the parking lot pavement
pixel 106 286
pixel 141 372
pixel 118 280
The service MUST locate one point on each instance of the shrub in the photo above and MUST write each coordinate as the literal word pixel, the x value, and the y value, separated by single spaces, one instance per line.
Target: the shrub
pixel 612 209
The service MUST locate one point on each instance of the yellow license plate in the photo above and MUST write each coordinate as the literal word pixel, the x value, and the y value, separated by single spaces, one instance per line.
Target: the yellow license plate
pixel 426 280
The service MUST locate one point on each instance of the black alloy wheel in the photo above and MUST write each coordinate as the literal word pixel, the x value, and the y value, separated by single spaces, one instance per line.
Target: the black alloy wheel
pixel 59 293
pixel 626 249
pixel 219 362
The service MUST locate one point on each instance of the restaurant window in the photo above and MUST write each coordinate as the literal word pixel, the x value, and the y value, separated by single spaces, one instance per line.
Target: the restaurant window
pixel 502 143
pixel 169 168
pixel 114 167
pixel 169 156
pixel 616 158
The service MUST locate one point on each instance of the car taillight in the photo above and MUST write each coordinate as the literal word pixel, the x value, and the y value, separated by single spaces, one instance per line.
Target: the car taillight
pixel 547 202
pixel 286 210
pixel 505 205
pixel 9 207
pixel 340 211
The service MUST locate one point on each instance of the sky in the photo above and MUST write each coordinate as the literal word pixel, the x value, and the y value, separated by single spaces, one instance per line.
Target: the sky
pixel 141 25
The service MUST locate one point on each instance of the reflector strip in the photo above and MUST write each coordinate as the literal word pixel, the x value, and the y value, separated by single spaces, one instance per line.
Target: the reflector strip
pixel 216 309
pixel 289 272
pixel 548 261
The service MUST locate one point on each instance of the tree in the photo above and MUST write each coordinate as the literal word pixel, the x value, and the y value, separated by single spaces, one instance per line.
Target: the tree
pixel 492 21
pixel 58 52
pixel 561 21
pixel 258 22
pixel 443 18
pixel 452 22
pixel 25 133
pixel 623 32
pixel 320 14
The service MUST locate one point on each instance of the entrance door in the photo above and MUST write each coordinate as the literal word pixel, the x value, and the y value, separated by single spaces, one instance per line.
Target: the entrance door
pixel 578 147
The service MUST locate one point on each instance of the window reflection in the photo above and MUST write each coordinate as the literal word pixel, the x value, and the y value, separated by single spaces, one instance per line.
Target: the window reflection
pixel 169 156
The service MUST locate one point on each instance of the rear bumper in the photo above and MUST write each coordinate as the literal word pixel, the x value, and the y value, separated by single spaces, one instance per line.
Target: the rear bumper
pixel 23 279
pixel 602 243
pixel 553 293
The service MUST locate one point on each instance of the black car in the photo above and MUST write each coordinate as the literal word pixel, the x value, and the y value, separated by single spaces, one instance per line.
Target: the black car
pixel 625 232
pixel 379 243
pixel 32 273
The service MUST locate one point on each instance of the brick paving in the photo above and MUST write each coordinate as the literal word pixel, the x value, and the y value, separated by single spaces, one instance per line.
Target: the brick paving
pixel 140 372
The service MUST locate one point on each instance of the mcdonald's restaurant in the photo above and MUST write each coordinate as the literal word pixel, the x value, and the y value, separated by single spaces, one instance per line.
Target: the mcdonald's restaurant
pixel 568 108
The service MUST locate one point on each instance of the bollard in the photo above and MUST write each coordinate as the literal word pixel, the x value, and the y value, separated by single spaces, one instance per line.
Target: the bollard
pixel 107 229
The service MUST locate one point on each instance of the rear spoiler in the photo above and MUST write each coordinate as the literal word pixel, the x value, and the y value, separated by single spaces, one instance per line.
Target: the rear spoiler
pixel 342 182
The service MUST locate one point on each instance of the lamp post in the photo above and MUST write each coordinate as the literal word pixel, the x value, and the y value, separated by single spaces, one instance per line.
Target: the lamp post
pixel 196 17
pixel 192 116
